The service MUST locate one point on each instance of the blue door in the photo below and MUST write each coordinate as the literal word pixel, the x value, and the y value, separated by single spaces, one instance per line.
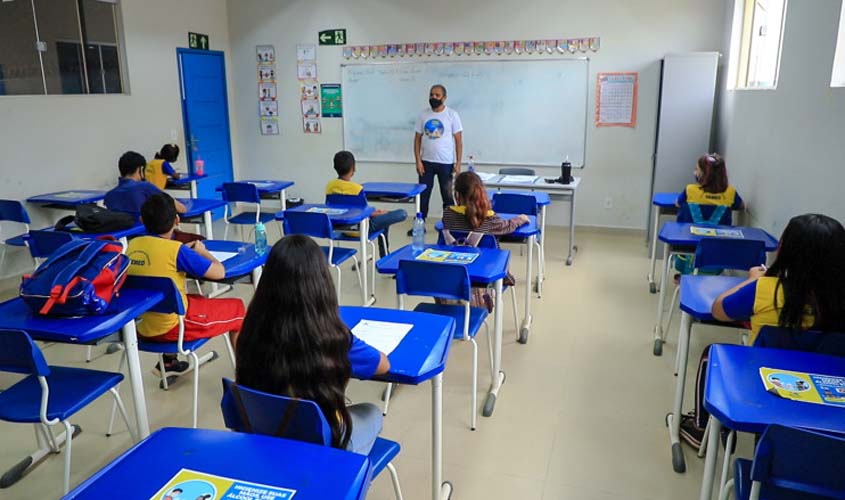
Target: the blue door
pixel 205 114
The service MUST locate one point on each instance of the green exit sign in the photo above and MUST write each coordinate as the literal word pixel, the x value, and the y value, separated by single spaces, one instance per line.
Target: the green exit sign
pixel 198 41
pixel 332 37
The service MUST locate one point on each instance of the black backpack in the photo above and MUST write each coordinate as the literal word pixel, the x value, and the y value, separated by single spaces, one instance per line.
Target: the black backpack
pixel 95 219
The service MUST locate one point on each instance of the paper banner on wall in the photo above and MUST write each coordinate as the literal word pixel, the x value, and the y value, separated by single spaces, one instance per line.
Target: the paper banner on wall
pixel 306 52
pixel 266 72
pixel 308 91
pixel 616 99
pixel 269 126
pixel 331 100
pixel 306 70
pixel 265 53
pixel 310 108
pixel 311 125
pixel 267 91
pixel 268 109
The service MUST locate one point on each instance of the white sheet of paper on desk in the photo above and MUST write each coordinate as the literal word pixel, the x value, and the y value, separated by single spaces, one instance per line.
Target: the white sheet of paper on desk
pixel 383 335
pixel 519 179
pixel 486 176
pixel 223 256
pixel 261 184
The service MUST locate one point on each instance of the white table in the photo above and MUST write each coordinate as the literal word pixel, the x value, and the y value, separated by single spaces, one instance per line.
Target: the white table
pixel 540 184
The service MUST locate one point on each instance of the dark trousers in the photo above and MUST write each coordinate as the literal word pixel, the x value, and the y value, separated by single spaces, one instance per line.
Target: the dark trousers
pixel 444 172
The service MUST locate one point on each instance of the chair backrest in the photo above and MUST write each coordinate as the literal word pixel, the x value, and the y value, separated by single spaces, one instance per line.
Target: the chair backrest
pixel 257 412
pixel 353 200
pixel 831 343
pixel 13 211
pixel 313 224
pixel 433 279
pixel 515 203
pixel 241 191
pixel 729 253
pixel 486 241
pixel 172 301
pixel 516 171
pixel 801 460
pixel 43 243
pixel 19 354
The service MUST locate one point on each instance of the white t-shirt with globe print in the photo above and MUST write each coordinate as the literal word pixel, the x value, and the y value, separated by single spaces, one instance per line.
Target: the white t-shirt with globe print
pixel 437 130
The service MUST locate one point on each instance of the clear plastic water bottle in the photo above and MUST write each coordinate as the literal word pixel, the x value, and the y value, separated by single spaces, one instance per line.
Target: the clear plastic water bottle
pixel 471 163
pixel 260 238
pixel 418 234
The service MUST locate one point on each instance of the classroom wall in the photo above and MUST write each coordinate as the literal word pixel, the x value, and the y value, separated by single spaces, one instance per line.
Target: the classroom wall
pixel 63 141
pixel 634 36
pixel 784 147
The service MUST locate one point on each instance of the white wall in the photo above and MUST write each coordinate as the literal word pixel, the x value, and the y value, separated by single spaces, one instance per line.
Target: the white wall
pixel 784 147
pixel 59 142
pixel 634 36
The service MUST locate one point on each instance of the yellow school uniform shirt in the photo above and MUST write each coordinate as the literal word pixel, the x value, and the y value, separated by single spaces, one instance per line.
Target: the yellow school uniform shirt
pixel 154 173
pixel 696 194
pixel 756 302
pixel 154 256
pixel 340 186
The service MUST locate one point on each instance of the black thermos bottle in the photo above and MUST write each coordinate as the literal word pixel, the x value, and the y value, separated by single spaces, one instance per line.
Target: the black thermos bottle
pixel 565 172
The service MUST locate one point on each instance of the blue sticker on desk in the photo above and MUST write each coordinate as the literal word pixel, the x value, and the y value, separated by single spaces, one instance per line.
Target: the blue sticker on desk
pixel 193 485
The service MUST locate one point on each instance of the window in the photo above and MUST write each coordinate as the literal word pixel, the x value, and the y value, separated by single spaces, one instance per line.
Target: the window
pixel 60 47
pixel 756 43
pixel 838 77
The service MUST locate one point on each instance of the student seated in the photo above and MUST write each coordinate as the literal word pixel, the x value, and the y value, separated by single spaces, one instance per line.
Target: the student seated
pixel 159 169
pixel 159 255
pixel 293 343
pixel 344 165
pixel 803 289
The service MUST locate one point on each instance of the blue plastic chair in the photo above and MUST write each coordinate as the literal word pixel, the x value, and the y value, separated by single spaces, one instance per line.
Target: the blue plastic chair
pixel 47 396
pixel 516 203
pixel 242 192
pixel 13 211
pixel 793 464
pixel 317 225
pixel 449 282
pixel 831 343
pixel 358 200
pixel 172 304
pixel 42 243
pixel 256 412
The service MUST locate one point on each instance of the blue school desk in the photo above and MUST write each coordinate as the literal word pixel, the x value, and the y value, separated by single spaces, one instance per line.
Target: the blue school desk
pixel 67 200
pixel 541 186
pixel 187 182
pixel 315 472
pixel 200 207
pixel 528 232
pixel 489 268
pixel 128 305
pixel 697 295
pixel 351 216
pixel 736 398
pixel 678 240
pixel 421 356
pixel 663 204
pixel 394 191
pixel 122 235
pixel 270 189
pixel 245 263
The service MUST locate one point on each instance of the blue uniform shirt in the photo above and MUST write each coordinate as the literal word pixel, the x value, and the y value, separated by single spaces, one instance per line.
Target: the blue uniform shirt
pixel 364 359
pixel 129 195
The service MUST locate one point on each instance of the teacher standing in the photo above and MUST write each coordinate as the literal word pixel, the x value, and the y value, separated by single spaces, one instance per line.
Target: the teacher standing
pixel 438 145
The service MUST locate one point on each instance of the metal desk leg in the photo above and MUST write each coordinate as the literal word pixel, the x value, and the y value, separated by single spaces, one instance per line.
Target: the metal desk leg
pixel 674 418
pixel 364 230
pixel 256 276
pixel 283 199
pixel 572 247
pixel 130 344
pixel 713 444
pixel 658 327
pixel 496 384
pixel 439 489
pixel 542 271
pixel 526 321
pixel 652 287
pixel 193 188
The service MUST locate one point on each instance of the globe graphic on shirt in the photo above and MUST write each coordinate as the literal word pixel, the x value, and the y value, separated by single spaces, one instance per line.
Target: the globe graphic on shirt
pixel 433 128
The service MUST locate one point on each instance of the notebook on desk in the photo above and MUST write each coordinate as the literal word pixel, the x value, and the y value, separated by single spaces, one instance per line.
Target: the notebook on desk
pixel 519 179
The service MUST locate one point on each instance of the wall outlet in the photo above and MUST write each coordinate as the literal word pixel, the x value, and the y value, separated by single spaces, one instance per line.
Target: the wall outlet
pixel 174 135
pixel 608 202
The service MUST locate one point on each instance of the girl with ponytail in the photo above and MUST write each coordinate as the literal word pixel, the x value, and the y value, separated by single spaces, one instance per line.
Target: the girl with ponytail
pixel 473 210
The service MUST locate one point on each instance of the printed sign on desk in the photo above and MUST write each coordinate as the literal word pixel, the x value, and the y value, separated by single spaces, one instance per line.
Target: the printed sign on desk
pixel 805 387
pixel 447 257
pixel 189 484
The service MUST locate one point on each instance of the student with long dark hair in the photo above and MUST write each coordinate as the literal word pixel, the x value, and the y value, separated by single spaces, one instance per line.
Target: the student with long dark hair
pixel 160 168
pixel 473 212
pixel 803 289
pixel 293 343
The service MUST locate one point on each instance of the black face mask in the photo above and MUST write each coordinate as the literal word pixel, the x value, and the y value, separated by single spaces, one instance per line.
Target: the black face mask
pixel 434 103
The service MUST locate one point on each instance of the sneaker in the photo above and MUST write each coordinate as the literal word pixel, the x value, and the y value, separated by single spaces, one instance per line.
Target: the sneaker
pixel 171 368
pixel 691 433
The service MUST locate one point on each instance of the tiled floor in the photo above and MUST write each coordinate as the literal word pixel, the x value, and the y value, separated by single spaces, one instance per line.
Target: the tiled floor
pixel 580 415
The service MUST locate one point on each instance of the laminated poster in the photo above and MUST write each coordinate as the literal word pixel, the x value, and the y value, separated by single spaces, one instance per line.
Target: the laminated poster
pixel 805 387
pixel 190 484
pixel 265 53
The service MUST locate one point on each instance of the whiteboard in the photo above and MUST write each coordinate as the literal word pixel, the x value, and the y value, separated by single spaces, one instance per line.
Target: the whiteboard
pixel 514 112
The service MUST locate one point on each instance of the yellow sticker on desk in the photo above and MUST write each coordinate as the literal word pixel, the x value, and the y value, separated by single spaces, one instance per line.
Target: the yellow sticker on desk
pixel 192 485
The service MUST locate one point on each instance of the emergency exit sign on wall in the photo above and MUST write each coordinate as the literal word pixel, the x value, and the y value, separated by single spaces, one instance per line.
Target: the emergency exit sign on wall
pixel 332 37
pixel 198 41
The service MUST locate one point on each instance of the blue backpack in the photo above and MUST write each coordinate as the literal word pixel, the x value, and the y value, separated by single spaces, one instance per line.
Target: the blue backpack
pixel 80 278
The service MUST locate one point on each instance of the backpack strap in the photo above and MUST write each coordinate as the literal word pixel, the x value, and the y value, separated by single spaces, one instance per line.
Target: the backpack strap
pixel 60 252
pixel 63 223
pixel 67 278
pixel 715 216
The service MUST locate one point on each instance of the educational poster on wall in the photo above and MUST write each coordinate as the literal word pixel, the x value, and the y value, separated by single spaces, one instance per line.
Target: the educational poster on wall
pixel 269 109
pixel 331 100
pixel 266 72
pixel 497 47
pixel 311 108
pixel 309 98
pixel 306 52
pixel 190 484
pixel 267 91
pixel 311 125
pixel 265 53
pixel 268 106
pixel 306 70
pixel 269 126
pixel 308 91
pixel 616 99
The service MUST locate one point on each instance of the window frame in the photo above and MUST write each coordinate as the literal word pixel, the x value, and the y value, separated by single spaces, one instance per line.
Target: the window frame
pixel 741 43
